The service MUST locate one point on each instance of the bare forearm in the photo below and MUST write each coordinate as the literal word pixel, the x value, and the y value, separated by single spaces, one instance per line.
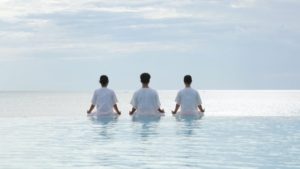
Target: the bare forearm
pixel 91 109
pixel 117 109
pixel 176 109
pixel 161 110
pixel 201 108
pixel 132 111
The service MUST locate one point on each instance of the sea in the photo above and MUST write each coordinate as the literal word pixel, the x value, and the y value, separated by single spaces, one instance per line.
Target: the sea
pixel 251 129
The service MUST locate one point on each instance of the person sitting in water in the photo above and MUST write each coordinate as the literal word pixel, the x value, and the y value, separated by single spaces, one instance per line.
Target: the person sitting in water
pixel 188 99
pixel 104 99
pixel 145 101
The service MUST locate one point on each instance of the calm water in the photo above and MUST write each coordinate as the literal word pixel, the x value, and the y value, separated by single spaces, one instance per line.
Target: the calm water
pixel 241 129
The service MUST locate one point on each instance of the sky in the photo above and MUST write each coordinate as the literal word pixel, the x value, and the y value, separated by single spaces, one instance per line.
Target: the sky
pixel 65 45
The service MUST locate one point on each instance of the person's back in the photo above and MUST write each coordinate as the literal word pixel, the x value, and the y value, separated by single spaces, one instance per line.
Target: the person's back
pixel 146 101
pixel 188 99
pixel 104 99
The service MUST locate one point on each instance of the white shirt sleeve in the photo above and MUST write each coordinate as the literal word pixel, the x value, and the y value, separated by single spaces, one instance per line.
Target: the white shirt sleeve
pixel 157 101
pixel 94 99
pixel 114 98
pixel 199 101
pixel 178 98
pixel 133 101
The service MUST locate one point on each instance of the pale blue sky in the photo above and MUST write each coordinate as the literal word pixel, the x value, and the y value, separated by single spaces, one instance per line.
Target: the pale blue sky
pixel 223 44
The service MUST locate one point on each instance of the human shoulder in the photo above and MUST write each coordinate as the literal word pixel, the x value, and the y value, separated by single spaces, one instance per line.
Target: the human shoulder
pixel 137 92
pixel 110 90
pixel 104 90
pixel 195 91
pixel 182 91
pixel 97 90
pixel 153 91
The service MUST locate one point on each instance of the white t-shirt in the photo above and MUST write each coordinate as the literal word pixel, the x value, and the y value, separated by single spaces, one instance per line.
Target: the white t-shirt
pixel 189 99
pixel 146 101
pixel 104 99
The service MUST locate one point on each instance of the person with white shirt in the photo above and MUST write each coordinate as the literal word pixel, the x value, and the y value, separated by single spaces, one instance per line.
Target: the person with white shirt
pixel 145 101
pixel 188 99
pixel 104 99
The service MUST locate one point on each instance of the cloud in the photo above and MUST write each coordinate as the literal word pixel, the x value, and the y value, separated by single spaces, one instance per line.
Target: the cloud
pixel 215 37
pixel 134 26
pixel 243 3
pixel 23 45
pixel 41 28
pixel 13 9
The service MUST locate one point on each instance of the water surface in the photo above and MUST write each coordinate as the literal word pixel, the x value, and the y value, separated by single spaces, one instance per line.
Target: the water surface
pixel 241 129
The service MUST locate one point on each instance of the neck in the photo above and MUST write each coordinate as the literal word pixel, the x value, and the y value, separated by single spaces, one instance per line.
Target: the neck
pixel 104 86
pixel 145 86
pixel 187 86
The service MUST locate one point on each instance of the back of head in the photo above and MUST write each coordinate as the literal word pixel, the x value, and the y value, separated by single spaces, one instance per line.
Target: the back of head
pixel 187 79
pixel 145 78
pixel 103 80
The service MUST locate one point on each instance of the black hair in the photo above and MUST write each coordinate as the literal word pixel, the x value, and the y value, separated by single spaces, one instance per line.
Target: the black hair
pixel 103 80
pixel 145 78
pixel 187 79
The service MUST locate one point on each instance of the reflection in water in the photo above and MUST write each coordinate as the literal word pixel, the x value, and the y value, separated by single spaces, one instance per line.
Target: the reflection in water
pixel 104 119
pixel 104 125
pixel 211 142
pixel 148 125
pixel 188 117
pixel 148 129
pixel 146 119
pixel 188 124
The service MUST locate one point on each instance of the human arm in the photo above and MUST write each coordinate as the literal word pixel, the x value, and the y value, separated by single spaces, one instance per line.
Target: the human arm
pixel 176 109
pixel 115 100
pixel 94 101
pixel 200 103
pixel 117 109
pixel 178 102
pixel 91 109
pixel 133 102
pixel 132 111
pixel 161 110
pixel 201 108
